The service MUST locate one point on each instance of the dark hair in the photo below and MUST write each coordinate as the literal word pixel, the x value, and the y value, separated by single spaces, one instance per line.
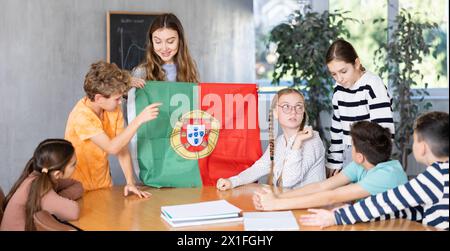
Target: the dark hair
pixel 342 50
pixel 186 68
pixel 274 104
pixel 372 140
pixel 433 128
pixel 106 79
pixel 52 154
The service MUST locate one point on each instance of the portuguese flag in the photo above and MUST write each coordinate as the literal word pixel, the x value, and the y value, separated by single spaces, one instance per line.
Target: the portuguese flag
pixel 203 132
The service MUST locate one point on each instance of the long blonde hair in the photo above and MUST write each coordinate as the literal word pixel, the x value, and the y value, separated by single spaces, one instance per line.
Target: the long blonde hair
pixel 273 106
pixel 186 67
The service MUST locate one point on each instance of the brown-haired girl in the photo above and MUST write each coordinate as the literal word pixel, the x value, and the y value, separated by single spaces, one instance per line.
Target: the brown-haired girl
pixel 44 185
pixel 295 158
pixel 358 95
pixel 167 59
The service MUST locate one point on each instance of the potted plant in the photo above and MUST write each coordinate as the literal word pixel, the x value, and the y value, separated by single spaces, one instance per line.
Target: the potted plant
pixel 406 47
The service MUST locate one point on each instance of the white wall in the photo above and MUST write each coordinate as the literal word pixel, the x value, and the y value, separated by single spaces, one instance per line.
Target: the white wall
pixel 46 47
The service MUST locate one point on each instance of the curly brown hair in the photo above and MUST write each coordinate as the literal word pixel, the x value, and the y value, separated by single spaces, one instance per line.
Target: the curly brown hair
pixel 106 79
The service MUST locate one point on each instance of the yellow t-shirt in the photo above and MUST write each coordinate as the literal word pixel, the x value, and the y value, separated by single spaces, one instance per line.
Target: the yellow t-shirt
pixel 92 168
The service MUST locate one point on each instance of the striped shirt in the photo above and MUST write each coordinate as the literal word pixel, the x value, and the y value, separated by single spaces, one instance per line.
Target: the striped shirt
pixel 367 99
pixel 297 167
pixel 424 198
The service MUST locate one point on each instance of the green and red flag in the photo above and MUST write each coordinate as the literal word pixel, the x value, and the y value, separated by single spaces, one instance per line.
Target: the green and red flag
pixel 203 132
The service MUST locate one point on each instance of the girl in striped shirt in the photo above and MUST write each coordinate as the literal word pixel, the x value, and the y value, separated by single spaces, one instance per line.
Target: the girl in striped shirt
pixel 358 95
pixel 423 199
pixel 296 158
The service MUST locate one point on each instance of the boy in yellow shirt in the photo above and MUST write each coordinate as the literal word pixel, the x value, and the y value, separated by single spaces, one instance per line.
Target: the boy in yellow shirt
pixel 96 128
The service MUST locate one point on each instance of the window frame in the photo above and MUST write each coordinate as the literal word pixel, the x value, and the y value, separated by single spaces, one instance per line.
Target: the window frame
pixel 393 9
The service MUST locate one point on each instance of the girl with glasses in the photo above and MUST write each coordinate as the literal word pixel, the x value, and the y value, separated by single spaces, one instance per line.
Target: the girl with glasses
pixel 295 158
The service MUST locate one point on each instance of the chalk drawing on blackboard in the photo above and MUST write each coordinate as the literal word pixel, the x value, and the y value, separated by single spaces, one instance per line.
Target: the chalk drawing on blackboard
pixel 134 50
pixel 127 38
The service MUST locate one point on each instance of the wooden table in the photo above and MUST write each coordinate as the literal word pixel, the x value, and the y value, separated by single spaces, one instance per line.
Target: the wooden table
pixel 108 209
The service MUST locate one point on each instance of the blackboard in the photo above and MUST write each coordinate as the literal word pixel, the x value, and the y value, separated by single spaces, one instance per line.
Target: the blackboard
pixel 127 37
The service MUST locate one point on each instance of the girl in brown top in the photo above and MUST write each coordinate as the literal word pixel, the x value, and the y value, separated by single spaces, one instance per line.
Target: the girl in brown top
pixel 44 185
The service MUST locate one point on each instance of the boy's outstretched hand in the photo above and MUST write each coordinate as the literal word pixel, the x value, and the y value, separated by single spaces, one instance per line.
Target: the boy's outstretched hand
pixel 133 189
pixel 320 218
pixel 150 112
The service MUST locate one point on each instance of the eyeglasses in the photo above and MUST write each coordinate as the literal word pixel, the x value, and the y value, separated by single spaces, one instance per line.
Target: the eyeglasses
pixel 288 108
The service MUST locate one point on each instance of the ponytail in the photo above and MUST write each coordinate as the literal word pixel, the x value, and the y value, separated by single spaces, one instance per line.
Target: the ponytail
pixel 304 122
pixel 362 68
pixel 271 146
pixel 39 187
pixel 29 167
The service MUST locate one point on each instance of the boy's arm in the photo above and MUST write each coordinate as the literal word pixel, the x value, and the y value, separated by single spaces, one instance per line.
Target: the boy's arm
pixel 124 158
pixel 115 145
pixel 342 194
pixel 127 168
pixel 325 218
pixel 328 184
pixel 426 188
pixel 411 213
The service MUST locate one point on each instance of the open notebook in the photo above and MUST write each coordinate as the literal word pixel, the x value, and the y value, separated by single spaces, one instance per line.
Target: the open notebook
pixel 210 212
pixel 270 221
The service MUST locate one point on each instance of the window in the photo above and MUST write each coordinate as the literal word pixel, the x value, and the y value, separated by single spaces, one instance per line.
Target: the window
pixel 364 35
pixel 268 14
pixel 434 11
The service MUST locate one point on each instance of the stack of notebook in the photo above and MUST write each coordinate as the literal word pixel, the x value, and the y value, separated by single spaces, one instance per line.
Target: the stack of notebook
pixel 210 212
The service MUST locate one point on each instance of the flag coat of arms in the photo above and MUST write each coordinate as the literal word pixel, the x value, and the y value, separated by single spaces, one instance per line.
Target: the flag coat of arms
pixel 203 132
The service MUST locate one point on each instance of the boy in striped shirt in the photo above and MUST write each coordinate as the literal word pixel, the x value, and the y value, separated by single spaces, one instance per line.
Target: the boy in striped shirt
pixel 423 199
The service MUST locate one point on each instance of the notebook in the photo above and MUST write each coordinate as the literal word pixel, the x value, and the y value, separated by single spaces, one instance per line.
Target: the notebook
pixel 270 221
pixel 200 222
pixel 200 213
